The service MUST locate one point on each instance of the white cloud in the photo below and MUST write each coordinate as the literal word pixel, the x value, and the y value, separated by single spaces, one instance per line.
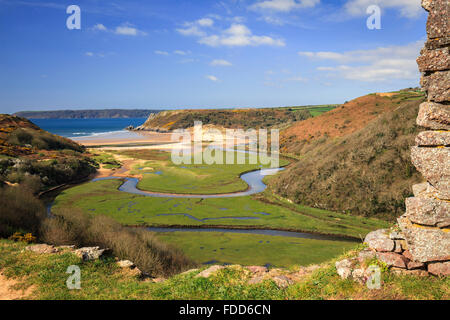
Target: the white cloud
pixel 181 52
pixel 161 53
pixel 212 78
pixel 128 30
pixel 283 5
pixel 220 63
pixel 192 30
pixel 205 22
pixel 239 35
pixel 125 29
pixel 93 54
pixel 408 8
pixel 195 28
pixel 380 64
pixel 99 27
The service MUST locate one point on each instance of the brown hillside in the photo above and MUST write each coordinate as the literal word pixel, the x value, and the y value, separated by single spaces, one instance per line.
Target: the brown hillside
pixel 21 137
pixel 342 121
pixel 365 172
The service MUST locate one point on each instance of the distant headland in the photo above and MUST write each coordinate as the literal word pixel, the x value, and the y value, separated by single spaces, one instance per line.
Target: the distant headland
pixel 87 114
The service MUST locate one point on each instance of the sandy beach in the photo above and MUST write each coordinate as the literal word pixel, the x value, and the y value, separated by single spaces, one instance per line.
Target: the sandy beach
pixel 125 138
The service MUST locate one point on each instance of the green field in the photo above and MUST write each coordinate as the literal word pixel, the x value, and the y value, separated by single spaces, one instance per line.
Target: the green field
pixel 263 211
pixel 161 175
pixel 252 249
pixel 103 197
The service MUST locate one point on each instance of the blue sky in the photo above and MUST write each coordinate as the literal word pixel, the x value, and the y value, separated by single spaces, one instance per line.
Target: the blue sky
pixel 168 54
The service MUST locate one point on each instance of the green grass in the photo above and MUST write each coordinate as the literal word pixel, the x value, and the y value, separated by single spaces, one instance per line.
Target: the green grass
pixel 102 279
pixel 162 175
pixel 108 160
pixel 251 249
pixel 103 197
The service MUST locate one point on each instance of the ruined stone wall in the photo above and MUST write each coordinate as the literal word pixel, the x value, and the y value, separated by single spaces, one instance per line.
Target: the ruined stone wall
pixel 421 243
pixel 426 222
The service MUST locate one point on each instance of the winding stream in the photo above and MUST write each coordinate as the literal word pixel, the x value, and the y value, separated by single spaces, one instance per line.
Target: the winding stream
pixel 253 179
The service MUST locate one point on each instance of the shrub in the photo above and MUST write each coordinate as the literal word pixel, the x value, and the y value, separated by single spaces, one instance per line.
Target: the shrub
pixel 20 211
pixel 73 227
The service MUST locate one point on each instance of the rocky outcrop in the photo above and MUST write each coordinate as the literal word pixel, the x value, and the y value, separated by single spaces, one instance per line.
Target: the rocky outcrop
pixel 423 245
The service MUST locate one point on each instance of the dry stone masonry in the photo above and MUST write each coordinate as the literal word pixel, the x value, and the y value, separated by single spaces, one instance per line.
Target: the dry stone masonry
pixel 421 243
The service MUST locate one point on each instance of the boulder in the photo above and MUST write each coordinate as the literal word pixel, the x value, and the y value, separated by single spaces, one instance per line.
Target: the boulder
pixel 282 281
pixel 438 25
pixel 366 255
pixel 433 139
pixel 257 269
pixel 426 190
pixel 210 271
pixel 126 264
pixel 439 268
pixel 344 268
pixel 189 271
pixel 42 249
pixel 411 265
pixel 359 275
pixel 396 235
pixel 90 253
pixel 434 116
pixel 392 259
pixel 433 164
pixel 428 211
pixel 415 272
pixel 425 244
pixel 434 60
pixel 398 246
pixel 379 240
pixel 437 86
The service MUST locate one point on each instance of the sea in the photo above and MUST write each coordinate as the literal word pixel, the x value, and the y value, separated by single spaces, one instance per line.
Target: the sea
pixel 81 128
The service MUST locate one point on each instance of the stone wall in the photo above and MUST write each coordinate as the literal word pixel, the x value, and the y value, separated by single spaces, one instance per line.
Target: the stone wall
pixel 426 223
pixel 420 244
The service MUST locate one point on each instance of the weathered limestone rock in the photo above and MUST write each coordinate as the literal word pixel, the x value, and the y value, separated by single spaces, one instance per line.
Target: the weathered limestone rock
pixel 415 272
pixel 438 24
pixel 208 272
pixel 411 265
pixel 425 244
pixel 396 235
pixel 379 240
pixel 439 268
pixel 190 271
pixel 434 116
pixel 90 253
pixel 125 264
pixel 426 190
pixel 42 249
pixel 282 281
pixel 434 164
pixel 437 86
pixel 366 255
pixel 428 212
pixel 433 138
pixel 392 259
pixel 257 269
pixel 434 60
pixel 344 268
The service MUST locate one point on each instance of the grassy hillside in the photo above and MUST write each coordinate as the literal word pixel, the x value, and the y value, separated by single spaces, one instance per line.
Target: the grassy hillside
pixel 44 277
pixel 233 118
pixel 354 158
pixel 37 158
